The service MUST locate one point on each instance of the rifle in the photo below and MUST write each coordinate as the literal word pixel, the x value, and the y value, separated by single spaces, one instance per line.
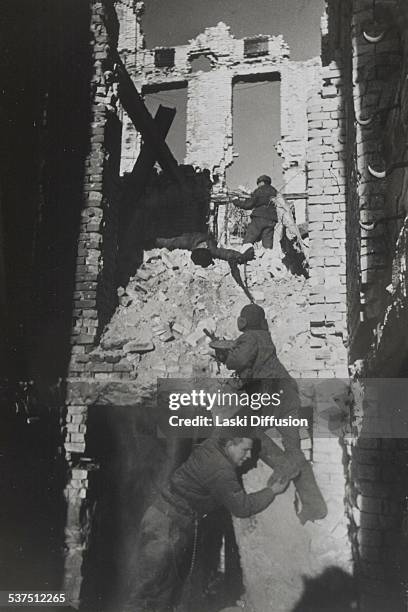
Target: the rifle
pixel 220 346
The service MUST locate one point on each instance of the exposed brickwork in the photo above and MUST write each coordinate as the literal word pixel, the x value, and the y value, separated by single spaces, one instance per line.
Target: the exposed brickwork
pixel 373 76
pixel 209 135
pixel 131 39
pixel 95 290
pixel 327 215
pixel 209 132
pixel 375 70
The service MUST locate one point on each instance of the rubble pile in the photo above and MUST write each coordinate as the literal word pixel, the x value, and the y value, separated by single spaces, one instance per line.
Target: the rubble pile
pixel 158 327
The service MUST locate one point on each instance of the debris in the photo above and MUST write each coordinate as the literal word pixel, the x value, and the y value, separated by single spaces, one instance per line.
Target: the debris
pixel 162 335
pixel 168 261
pixel 138 346
pixel 167 335
pixel 143 274
pixel 179 329
pixel 112 343
pixel 258 296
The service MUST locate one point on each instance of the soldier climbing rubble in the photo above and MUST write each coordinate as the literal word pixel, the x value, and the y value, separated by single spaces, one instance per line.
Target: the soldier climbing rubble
pixel 253 356
pixel 168 531
pixel 271 212
pixel 264 216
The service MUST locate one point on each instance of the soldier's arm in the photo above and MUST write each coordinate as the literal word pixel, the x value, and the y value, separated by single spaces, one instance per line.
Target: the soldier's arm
pixel 184 241
pixel 224 254
pixel 243 354
pixel 229 255
pixel 247 203
pixel 228 491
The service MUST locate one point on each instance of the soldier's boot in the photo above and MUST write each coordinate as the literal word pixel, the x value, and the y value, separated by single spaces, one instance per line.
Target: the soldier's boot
pixel 309 502
pixel 313 507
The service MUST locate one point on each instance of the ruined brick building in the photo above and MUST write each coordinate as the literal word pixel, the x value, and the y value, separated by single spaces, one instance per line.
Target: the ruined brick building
pixel 91 305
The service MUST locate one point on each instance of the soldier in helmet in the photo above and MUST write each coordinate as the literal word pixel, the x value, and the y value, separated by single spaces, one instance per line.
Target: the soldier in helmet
pixel 253 357
pixel 263 216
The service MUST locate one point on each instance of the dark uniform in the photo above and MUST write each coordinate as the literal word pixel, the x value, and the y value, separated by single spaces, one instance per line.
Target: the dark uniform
pixel 207 480
pixel 199 240
pixel 255 360
pixel 263 216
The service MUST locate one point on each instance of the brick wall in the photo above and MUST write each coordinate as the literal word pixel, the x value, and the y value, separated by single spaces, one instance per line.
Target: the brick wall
pixel 209 107
pixel 95 289
pixel 373 76
pixel 327 215
pixel 309 338
pixel 370 91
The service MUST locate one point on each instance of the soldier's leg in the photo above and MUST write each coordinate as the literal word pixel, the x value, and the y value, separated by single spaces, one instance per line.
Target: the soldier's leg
pixel 267 235
pixel 254 231
pixel 276 458
pixel 177 242
pixel 156 579
pixel 313 506
pixel 292 463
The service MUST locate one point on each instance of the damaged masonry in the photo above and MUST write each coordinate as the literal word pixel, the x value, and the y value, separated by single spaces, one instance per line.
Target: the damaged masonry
pixel 333 289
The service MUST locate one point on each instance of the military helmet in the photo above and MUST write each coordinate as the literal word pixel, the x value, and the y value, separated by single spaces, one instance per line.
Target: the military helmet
pixel 201 257
pixel 264 178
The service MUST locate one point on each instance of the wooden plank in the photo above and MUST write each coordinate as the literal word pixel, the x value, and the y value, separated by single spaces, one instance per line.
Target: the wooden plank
pixel 137 179
pixel 143 121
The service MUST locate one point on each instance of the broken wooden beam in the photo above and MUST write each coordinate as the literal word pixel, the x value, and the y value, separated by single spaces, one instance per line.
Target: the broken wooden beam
pixel 138 178
pixel 143 121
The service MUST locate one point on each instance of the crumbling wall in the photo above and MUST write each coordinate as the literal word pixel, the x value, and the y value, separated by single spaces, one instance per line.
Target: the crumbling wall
pixel 297 79
pixel 95 289
pixel 209 121
pixel 130 42
pixel 209 107
pixel 370 39
pixel 157 330
pixel 131 38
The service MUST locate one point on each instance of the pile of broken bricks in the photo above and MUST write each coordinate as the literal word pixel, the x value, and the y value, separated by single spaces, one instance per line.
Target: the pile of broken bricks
pixel 158 327
pixel 157 330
